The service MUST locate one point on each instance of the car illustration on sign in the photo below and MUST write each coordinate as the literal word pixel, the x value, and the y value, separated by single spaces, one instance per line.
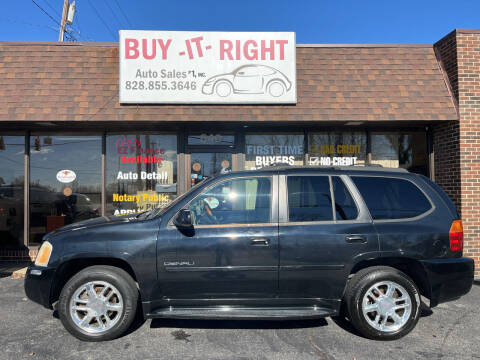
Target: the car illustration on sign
pixel 248 79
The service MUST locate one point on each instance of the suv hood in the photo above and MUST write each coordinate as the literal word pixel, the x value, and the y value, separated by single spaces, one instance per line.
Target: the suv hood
pixel 94 222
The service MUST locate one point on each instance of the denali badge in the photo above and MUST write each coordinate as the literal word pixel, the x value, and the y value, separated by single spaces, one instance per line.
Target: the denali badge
pixel 178 263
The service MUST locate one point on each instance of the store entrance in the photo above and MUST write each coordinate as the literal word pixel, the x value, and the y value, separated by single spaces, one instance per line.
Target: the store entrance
pixel 205 165
pixel 210 154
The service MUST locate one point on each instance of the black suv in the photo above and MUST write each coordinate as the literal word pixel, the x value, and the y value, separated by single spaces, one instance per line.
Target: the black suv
pixel 278 243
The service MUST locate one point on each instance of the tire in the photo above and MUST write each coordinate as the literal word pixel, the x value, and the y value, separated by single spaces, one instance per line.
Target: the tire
pixel 120 292
pixel 375 311
pixel 276 88
pixel 223 88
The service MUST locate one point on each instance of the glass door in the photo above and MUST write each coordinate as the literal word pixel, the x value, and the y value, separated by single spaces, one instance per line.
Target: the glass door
pixel 210 153
pixel 205 165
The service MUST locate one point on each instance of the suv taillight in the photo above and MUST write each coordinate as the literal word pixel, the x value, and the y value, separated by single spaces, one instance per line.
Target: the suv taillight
pixel 456 236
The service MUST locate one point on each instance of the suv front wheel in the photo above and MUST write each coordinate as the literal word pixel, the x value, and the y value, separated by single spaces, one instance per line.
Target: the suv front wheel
pixel 383 303
pixel 98 303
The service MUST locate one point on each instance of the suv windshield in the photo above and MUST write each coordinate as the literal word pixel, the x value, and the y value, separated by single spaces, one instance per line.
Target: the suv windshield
pixel 155 212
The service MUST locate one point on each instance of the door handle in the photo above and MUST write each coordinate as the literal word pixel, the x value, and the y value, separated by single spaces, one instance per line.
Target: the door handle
pixel 355 239
pixel 259 242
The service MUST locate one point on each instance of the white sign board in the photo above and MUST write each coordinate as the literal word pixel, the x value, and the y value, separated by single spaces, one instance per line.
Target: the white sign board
pixel 189 67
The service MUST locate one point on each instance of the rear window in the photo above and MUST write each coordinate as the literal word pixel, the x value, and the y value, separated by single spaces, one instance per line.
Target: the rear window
pixel 309 198
pixel 391 198
pixel 442 193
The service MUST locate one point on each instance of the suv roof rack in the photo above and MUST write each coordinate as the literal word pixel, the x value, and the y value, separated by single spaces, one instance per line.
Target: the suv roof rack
pixel 371 167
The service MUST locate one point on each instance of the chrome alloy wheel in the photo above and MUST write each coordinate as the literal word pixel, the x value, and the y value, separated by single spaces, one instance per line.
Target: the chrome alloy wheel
pixel 96 307
pixel 386 306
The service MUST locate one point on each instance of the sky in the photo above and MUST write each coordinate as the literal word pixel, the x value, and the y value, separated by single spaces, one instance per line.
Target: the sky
pixel 314 21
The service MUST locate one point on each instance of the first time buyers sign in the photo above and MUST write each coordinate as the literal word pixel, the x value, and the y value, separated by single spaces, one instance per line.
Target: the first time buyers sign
pixel 188 67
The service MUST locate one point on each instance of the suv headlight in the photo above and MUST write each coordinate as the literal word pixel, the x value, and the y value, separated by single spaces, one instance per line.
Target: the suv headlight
pixel 44 254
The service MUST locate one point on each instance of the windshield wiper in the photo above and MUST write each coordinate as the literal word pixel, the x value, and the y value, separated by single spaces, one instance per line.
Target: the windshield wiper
pixel 146 212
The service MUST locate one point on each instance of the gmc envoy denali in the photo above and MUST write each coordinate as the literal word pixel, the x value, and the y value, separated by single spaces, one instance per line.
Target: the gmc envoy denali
pixel 279 243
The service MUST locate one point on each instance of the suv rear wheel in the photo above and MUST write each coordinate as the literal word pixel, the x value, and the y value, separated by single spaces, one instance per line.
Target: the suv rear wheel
pixel 98 303
pixel 383 303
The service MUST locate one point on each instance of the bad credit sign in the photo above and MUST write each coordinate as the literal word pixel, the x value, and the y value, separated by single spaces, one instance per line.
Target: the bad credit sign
pixel 188 67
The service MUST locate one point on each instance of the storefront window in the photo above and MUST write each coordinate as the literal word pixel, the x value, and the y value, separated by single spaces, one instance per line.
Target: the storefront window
pixel 406 150
pixel 337 148
pixel 141 172
pixel 263 150
pixel 65 181
pixel 11 191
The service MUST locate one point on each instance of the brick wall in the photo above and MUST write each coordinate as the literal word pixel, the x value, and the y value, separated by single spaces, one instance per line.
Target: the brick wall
pixel 465 84
pixel 446 148
pixel 468 60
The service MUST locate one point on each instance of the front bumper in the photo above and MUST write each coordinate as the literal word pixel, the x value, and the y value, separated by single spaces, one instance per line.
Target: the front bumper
pixel 38 285
pixel 449 278
pixel 207 89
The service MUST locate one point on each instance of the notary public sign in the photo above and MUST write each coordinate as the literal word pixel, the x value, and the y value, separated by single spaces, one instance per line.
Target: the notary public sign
pixel 188 67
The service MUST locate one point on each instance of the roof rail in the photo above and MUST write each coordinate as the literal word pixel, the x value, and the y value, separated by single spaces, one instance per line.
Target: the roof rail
pixel 371 167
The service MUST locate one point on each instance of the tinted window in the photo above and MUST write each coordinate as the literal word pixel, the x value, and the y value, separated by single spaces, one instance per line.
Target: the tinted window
pixel 237 201
pixel 309 198
pixel 389 198
pixel 345 207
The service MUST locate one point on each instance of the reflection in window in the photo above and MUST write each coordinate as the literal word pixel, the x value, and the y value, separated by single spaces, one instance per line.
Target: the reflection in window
pixel 404 150
pixel 337 148
pixel 309 198
pixel 65 181
pixel 206 165
pixel 141 172
pixel 237 201
pixel 263 150
pixel 11 191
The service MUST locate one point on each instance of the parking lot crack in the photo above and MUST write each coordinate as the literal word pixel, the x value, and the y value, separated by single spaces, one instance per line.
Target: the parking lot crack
pixel 319 350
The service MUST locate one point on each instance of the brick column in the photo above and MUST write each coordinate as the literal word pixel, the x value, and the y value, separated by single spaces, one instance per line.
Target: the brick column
pixel 463 48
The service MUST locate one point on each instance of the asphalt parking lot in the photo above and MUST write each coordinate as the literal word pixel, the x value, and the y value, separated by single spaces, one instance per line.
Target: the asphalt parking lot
pixel 28 331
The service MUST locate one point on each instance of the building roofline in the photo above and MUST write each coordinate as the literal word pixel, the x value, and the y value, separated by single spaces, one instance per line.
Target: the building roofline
pixel 115 44
pixel 364 45
pixel 59 43
pixel 468 31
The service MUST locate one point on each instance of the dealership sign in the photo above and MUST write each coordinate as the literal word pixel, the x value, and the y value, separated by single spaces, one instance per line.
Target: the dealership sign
pixel 187 67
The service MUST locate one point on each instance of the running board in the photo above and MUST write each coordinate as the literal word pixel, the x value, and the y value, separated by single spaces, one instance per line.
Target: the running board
pixel 250 313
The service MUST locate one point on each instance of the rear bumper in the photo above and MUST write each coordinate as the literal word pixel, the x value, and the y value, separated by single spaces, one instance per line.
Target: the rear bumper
pixel 449 278
pixel 38 285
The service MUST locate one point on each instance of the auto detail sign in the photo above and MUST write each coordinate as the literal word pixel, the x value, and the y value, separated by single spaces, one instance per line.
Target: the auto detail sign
pixel 189 67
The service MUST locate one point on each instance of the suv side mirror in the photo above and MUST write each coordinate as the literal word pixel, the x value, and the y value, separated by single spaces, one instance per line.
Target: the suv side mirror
pixel 183 219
